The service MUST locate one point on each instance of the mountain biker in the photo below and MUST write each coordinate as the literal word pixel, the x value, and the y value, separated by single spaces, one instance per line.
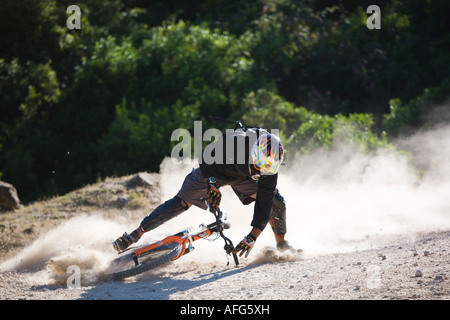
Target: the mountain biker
pixel 249 166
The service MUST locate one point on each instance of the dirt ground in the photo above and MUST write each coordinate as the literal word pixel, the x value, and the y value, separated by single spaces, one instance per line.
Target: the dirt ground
pixel 404 270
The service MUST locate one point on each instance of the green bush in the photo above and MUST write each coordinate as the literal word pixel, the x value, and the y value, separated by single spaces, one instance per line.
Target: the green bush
pixel 406 116
pixel 303 131
pixel 103 100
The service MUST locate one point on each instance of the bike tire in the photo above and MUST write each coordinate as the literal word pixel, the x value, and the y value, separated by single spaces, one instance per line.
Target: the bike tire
pixel 147 261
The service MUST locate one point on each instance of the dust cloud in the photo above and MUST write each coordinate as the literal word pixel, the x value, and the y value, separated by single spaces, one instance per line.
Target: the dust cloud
pixel 80 241
pixel 342 200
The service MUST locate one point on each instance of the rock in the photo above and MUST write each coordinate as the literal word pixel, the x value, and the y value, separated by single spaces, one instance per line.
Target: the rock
pixel 419 273
pixel 8 196
pixel 426 253
pixel 29 230
pixel 382 256
pixel 120 202
pixel 142 179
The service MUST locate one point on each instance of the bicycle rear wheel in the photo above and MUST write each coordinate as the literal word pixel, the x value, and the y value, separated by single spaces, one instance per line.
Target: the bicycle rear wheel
pixel 125 266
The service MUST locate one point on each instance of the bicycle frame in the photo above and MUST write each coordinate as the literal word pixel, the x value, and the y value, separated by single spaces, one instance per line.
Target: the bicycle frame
pixel 185 239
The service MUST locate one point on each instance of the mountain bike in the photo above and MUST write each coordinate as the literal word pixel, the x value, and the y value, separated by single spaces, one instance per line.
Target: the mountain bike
pixel 139 259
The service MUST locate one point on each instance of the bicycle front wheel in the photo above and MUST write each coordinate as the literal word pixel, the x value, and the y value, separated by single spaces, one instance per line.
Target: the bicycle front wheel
pixel 128 265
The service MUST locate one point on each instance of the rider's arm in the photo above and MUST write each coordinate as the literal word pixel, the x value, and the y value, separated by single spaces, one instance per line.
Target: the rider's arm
pixel 255 232
pixel 267 187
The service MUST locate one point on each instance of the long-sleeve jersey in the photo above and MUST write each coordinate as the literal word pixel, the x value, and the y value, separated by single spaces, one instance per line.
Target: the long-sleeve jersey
pixel 228 159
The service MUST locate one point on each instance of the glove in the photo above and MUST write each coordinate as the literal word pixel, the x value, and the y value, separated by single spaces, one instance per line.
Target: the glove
pixel 214 195
pixel 246 245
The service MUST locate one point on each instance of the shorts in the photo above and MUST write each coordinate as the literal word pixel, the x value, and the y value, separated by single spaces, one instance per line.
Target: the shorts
pixel 194 189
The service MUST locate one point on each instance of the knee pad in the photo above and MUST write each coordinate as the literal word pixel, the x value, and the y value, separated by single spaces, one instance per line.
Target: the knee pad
pixel 163 213
pixel 278 215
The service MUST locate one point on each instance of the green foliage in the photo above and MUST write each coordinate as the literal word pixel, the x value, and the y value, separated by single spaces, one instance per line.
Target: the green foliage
pixel 104 100
pixel 304 131
pixel 405 116
pixel 24 90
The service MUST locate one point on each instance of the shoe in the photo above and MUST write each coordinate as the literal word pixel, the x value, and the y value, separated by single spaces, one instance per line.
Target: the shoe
pixel 284 246
pixel 124 242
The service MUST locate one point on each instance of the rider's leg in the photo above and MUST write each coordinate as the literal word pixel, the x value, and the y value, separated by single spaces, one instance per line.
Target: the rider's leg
pixel 163 213
pixel 192 191
pixel 278 220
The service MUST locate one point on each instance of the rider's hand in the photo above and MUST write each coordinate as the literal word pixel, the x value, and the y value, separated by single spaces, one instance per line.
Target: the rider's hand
pixel 246 245
pixel 214 195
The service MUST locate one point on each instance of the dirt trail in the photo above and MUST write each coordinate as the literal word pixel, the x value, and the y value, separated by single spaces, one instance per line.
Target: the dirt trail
pixel 418 269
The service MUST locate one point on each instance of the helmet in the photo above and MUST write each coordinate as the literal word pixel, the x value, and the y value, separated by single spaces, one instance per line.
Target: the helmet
pixel 267 154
